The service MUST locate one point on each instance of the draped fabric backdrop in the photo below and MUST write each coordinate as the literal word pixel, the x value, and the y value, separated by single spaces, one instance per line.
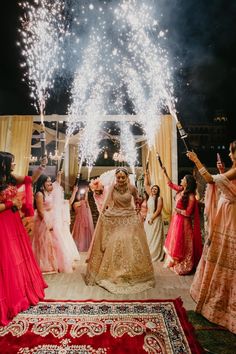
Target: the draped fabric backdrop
pixel 16 135
pixel 73 164
pixel 166 147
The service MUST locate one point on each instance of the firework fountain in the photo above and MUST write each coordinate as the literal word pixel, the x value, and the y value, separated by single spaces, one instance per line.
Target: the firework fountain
pixel 42 33
pixel 123 54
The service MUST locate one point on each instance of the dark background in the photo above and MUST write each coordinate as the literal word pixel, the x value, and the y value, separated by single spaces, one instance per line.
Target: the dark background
pixel 202 46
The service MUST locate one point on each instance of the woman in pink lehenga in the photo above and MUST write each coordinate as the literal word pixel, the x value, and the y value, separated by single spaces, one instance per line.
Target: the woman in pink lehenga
pixel 214 284
pixel 143 206
pixel 83 226
pixel 21 281
pixel 183 244
pixel 119 258
pixel 50 241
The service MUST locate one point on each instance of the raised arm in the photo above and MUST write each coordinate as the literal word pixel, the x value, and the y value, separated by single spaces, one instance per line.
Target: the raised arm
pixel 39 204
pixel 166 174
pixel 72 198
pixel 58 179
pixel 230 174
pixel 37 172
pixel 147 182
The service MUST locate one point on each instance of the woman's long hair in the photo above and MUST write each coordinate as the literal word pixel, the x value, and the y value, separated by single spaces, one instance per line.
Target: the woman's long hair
pixel 6 159
pixel 190 189
pixel 39 187
pixel 156 196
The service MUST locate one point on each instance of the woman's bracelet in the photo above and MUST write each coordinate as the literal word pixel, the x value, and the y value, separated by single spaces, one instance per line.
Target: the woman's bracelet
pixel 202 171
pixel 8 204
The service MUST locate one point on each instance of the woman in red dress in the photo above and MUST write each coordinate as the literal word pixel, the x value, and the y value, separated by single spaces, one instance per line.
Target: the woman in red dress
pixel 183 244
pixel 21 281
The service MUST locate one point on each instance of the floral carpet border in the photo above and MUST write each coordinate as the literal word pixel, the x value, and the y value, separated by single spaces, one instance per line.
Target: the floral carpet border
pixel 79 327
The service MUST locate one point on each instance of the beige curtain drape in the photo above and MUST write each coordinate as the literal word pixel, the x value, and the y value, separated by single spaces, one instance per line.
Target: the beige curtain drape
pixel 16 135
pixel 73 164
pixel 164 147
pixel 5 123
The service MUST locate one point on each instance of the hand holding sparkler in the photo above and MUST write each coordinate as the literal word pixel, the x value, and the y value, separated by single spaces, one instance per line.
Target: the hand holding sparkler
pixel 61 162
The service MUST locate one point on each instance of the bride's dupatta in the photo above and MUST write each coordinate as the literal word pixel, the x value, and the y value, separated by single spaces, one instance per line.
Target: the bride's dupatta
pixel 106 203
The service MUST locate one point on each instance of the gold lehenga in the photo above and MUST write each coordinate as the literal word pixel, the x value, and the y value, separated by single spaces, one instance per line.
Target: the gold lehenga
pixel 120 260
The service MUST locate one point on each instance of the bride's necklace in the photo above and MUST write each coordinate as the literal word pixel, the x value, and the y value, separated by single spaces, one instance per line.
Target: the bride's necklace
pixel 121 190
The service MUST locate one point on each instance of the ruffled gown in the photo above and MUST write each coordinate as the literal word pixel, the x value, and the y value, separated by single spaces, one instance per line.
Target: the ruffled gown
pixel 52 241
pixel 21 281
pixel 83 228
pixel 154 232
pixel 119 259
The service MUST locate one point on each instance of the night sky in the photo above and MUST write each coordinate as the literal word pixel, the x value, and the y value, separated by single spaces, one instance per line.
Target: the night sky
pixel 201 44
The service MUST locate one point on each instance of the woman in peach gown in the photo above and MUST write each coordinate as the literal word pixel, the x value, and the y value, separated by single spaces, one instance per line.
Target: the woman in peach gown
pixel 214 284
pixel 54 248
pixel 83 228
pixel 119 259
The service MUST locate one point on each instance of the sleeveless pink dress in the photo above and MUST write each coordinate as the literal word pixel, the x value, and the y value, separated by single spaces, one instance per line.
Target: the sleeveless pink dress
pixel 52 241
pixel 83 227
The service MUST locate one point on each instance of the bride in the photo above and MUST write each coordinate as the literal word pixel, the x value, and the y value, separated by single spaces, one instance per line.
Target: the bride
pixel 119 258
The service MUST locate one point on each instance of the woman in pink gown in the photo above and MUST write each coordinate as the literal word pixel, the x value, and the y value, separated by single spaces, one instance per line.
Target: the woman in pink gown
pixel 183 244
pixel 83 228
pixel 119 258
pixel 143 207
pixel 54 248
pixel 214 284
pixel 21 281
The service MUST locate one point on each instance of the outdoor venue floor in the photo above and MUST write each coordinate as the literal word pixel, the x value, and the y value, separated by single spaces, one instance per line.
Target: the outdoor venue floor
pixel 64 286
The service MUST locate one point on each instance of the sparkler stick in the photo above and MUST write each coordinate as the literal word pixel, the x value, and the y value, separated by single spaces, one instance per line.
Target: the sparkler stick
pixel 63 154
pixel 89 171
pixel 182 133
pixel 80 164
pixel 162 166
pixel 79 170
pixel 61 162
pixel 43 140
pixel 77 179
pixel 147 162
pixel 159 160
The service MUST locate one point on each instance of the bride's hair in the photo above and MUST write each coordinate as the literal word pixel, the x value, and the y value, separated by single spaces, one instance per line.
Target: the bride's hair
pixel 122 169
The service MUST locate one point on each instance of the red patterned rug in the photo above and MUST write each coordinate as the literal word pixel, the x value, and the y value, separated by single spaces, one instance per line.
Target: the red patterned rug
pixel 85 327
